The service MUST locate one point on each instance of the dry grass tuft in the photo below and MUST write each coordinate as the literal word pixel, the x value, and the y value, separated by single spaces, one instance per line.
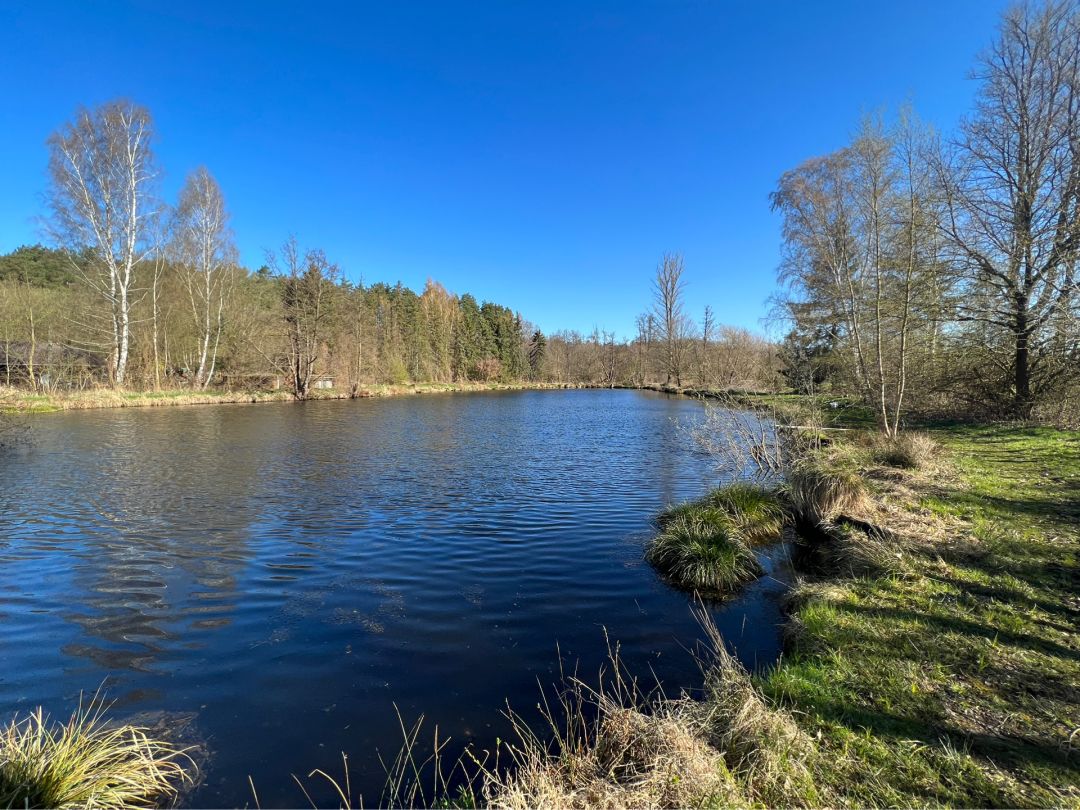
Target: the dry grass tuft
pixel 864 552
pixel 819 490
pixel 908 451
pixel 86 762
pixel 612 746
pixel 770 756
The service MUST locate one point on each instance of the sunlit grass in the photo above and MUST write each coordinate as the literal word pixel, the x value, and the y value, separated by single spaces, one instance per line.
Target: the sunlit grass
pixel 86 762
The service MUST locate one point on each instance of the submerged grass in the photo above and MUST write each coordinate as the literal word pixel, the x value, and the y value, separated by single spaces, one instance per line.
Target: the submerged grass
pixel 86 762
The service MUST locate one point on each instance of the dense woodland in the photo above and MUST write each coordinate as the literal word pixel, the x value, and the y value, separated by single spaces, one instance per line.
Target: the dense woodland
pixel 297 320
pixel 922 272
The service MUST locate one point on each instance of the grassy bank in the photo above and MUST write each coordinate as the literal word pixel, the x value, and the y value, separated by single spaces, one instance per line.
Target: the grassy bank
pixel 14 400
pixel 956 678
pixel 932 656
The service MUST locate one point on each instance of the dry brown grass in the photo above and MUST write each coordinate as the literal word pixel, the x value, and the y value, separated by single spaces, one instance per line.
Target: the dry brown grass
pixel 820 489
pixel 729 748
pixel 908 451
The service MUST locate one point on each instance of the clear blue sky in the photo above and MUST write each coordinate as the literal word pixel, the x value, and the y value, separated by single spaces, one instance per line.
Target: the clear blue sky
pixel 542 155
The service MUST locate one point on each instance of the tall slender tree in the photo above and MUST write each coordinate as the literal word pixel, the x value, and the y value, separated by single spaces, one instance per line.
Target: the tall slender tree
pixel 104 200
pixel 205 256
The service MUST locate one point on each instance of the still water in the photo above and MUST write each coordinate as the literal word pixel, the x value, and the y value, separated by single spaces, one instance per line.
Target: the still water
pixel 281 576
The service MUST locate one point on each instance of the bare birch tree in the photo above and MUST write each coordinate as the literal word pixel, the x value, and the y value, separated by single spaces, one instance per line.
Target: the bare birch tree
pixel 205 255
pixel 859 239
pixel 668 292
pixel 103 201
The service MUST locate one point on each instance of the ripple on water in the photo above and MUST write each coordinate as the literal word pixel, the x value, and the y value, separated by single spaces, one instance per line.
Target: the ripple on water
pixel 286 575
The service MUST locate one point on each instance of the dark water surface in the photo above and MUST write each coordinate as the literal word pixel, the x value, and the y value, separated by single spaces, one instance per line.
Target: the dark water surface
pixel 286 573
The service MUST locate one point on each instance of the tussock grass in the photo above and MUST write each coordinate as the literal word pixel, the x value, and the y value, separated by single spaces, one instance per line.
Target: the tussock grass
pixel 706 545
pixel 702 550
pixel 86 762
pixel 908 451
pixel 864 551
pixel 757 513
pixel 615 747
pixel 819 489
pixel 771 758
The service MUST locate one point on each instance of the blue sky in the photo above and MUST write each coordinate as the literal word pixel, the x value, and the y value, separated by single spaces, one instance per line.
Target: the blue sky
pixel 542 155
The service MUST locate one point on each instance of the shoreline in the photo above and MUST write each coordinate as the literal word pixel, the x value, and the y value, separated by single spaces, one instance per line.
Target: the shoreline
pixel 18 402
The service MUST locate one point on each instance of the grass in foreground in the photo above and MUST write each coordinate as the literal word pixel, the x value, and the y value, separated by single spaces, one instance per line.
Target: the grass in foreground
pixel 959 682
pixel 86 762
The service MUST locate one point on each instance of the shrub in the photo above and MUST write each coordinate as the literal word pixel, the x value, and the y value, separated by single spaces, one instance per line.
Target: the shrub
pixel 757 512
pixel 84 763
pixel 701 550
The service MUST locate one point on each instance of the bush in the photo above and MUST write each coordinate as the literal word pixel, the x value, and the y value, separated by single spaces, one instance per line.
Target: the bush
pixel 701 550
pixel 84 763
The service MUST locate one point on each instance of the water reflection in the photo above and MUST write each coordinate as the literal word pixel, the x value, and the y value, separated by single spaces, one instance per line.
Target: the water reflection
pixel 287 573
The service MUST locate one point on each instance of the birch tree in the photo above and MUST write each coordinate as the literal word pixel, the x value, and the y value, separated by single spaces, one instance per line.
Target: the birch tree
pixel 205 256
pixel 859 242
pixel 307 291
pixel 668 291
pixel 103 202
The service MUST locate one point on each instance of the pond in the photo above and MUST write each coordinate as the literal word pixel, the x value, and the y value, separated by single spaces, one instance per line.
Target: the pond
pixel 285 575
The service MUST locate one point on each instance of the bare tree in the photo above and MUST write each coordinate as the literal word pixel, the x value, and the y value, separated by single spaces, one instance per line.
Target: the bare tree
pixel 859 239
pixel 668 290
pixel 307 291
pixel 204 254
pixel 103 202
pixel 1011 187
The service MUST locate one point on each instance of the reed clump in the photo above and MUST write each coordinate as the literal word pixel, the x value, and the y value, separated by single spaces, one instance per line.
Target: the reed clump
pixel 86 762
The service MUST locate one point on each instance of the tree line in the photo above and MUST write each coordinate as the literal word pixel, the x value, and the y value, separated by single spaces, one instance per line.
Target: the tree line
pixel 938 272
pixel 141 294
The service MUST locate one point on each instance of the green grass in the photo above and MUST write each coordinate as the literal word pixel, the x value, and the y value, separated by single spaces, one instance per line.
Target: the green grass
pixel 707 545
pixel 959 684
pixel 758 513
pixel 699 548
